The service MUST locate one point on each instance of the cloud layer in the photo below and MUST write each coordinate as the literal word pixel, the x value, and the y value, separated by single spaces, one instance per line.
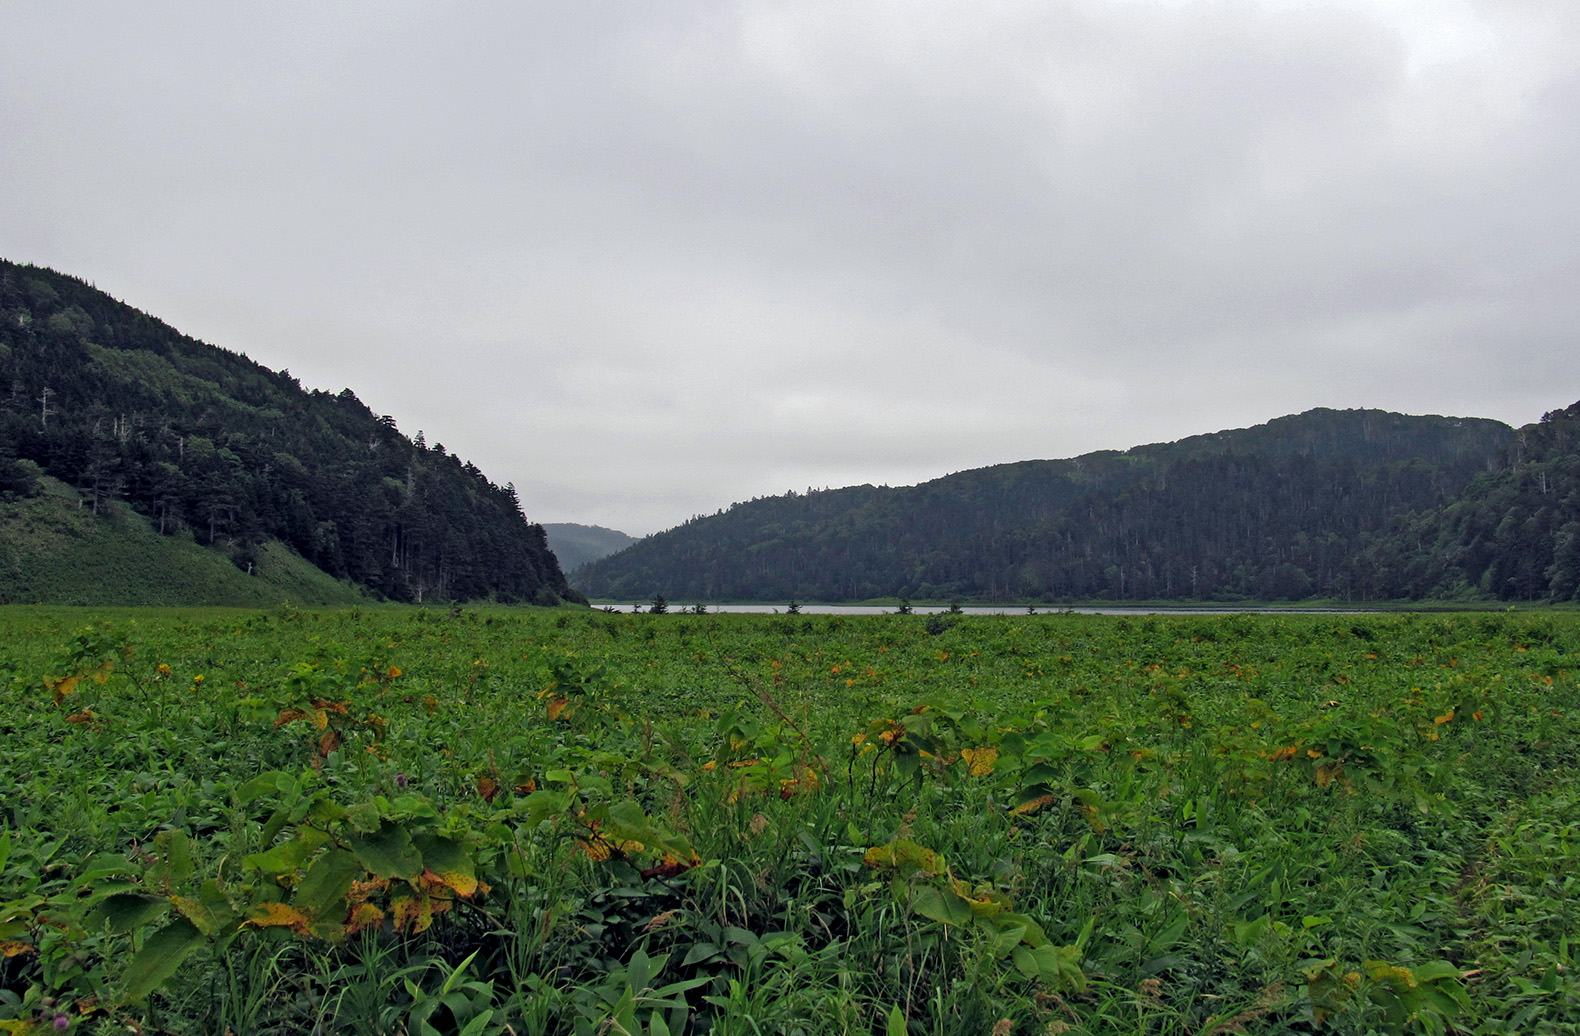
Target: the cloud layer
pixel 647 259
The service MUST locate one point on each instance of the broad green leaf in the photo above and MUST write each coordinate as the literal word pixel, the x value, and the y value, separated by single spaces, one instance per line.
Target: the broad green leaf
pixel 896 1023
pixel 177 851
pixel 1435 970
pixel 322 893
pixel 388 852
pixel 160 956
pixel 364 817
pixel 289 857
pixel 264 784
pixel 124 911
pixel 448 860
pixel 941 905
pixel 699 952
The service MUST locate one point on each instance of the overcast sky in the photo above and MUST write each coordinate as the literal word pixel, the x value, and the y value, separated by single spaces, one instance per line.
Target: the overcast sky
pixel 645 259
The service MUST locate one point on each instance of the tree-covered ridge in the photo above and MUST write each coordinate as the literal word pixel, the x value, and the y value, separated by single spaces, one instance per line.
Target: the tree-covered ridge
pixel 209 444
pixel 1515 533
pixel 1290 509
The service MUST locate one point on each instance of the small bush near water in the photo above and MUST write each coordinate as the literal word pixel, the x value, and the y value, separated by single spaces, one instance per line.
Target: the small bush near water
pixel 477 822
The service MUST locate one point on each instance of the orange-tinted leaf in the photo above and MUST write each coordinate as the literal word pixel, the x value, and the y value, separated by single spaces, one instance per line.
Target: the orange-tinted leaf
pixel 461 883
pixel 85 716
pixel 412 913
pixel 279 915
pixel 13 948
pixel 362 890
pixel 365 915
pixel 1032 805
pixel 329 742
pixel 62 687
pixel 289 716
pixel 488 788
pixel 557 705
pixel 1327 771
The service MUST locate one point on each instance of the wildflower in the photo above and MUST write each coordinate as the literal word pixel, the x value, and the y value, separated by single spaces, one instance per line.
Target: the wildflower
pixel 400 781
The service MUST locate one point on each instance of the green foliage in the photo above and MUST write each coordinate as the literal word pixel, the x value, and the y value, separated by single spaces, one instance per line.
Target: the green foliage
pixel 490 821
pixel 207 446
pixel 1327 503
pixel 52 550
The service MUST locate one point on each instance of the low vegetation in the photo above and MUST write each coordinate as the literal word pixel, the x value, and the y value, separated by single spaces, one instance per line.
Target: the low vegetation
pixel 486 821
pixel 54 550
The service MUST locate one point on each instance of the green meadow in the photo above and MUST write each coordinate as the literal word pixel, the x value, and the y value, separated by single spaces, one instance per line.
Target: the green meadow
pixel 483 821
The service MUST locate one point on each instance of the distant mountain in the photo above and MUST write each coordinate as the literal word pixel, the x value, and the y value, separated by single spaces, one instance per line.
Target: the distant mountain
pixel 1287 510
pixel 575 545
pixel 212 449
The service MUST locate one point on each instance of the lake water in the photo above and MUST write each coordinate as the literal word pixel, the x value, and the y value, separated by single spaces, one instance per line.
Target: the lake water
pixel 973 609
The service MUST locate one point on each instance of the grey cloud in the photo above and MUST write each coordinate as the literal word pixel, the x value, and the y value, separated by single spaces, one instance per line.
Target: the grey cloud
pixel 646 259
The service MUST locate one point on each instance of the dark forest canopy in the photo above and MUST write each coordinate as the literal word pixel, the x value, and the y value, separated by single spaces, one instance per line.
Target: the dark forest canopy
pixel 1351 504
pixel 210 445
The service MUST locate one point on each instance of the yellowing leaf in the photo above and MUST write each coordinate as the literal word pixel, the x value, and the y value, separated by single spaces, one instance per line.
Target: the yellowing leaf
pixel 980 760
pixel 279 915
pixel 13 948
pixel 62 687
pixel 365 915
pixel 557 706
pixel 905 856
pixel 1032 805
pixel 410 912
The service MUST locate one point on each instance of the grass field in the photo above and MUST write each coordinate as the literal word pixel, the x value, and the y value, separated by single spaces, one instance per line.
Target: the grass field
pixel 482 821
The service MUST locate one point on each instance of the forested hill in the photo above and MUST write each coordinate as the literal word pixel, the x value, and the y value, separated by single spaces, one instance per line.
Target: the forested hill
pixel 215 448
pixel 1294 508
pixel 1515 533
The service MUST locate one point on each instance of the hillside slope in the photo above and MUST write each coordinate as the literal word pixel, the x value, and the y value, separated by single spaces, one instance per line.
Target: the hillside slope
pixel 1284 510
pixel 55 551
pixel 575 545
pixel 207 444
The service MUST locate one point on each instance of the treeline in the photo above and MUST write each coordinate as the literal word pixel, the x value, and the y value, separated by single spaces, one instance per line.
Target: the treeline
pixel 1513 535
pixel 209 444
pixel 1344 504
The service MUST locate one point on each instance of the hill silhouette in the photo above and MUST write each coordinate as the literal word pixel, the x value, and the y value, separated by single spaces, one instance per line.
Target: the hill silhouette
pixel 212 449
pixel 1301 506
